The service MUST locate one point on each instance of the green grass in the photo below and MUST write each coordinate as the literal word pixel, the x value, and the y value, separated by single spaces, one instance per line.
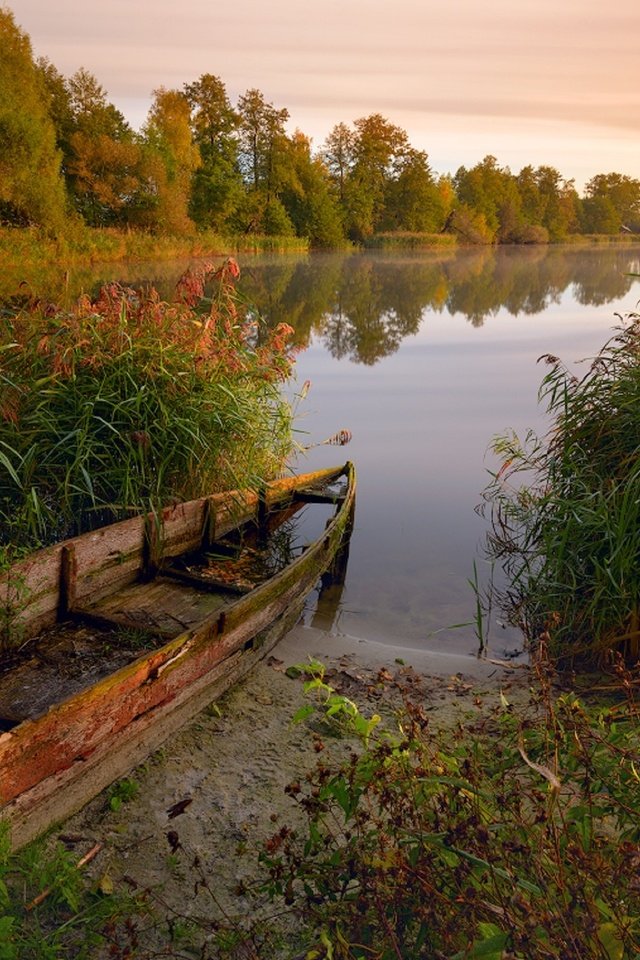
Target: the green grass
pixel 565 510
pixel 405 240
pixel 510 836
pixel 125 402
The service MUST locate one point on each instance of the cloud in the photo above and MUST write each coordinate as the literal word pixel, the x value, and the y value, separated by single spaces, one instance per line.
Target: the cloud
pixel 568 65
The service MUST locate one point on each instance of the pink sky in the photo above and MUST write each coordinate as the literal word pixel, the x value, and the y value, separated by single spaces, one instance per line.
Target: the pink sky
pixel 550 81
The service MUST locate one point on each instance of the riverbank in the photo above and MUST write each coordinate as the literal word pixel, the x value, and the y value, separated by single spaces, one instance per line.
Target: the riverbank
pixel 187 825
pixel 31 262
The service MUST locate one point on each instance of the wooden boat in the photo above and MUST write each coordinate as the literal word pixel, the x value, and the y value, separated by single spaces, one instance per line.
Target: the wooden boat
pixel 160 599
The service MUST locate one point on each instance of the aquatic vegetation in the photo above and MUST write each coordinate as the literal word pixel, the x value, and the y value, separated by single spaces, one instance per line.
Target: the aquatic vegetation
pixel 565 510
pixel 125 402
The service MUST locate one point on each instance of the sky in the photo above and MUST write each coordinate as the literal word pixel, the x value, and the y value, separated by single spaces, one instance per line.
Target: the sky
pixel 529 81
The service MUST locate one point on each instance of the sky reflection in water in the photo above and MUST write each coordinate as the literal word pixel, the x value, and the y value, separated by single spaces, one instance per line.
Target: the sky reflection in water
pixel 454 367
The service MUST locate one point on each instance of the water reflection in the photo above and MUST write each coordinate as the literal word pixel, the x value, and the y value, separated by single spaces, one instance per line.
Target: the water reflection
pixel 363 306
pixel 424 358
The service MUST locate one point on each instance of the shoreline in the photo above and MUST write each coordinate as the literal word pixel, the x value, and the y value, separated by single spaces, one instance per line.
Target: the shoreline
pixel 228 770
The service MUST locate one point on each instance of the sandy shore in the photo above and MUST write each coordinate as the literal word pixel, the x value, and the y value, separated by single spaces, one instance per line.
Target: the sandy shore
pixel 206 800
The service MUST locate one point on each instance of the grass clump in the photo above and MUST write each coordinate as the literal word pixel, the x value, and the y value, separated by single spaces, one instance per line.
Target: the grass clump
pixel 49 910
pixel 126 402
pixel 515 839
pixel 565 510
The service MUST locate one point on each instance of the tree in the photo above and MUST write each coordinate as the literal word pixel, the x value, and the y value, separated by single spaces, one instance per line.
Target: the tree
pixel 265 164
pixel 217 185
pixel 59 105
pixel 103 158
pixel 612 200
pixel 338 154
pixel 559 202
pixel 93 115
pixel 413 200
pixel 31 188
pixel 262 141
pixel 308 199
pixel 168 134
pixel 378 151
pixel 492 193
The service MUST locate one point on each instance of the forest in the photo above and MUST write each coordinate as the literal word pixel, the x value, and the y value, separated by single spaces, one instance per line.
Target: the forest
pixel 200 163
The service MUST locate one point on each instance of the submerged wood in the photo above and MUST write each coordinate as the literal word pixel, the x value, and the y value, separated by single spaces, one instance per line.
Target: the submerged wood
pixel 127 579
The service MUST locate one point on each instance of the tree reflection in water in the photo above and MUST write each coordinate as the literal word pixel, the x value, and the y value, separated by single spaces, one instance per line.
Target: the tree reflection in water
pixel 362 306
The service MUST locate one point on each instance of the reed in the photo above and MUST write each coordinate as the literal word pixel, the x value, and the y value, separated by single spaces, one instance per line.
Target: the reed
pixel 565 510
pixel 407 240
pixel 126 402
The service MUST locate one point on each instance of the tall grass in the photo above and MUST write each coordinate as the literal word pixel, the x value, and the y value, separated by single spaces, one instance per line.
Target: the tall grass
pixel 126 402
pixel 565 509
pixel 407 240
pixel 27 248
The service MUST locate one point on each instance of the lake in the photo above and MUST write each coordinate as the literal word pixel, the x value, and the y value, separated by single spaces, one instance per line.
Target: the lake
pixel 424 358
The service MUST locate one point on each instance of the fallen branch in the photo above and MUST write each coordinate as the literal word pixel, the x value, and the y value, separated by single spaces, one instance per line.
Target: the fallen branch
pixel 90 855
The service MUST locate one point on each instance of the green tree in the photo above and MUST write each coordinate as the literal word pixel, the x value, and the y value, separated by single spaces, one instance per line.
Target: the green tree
pixel 612 201
pixel 379 151
pixel 560 203
pixel 308 199
pixel 217 187
pixel 31 187
pixel 103 157
pixel 58 105
pixel 264 159
pixel 262 142
pixel 338 153
pixel 599 215
pixel 414 200
pixel 492 193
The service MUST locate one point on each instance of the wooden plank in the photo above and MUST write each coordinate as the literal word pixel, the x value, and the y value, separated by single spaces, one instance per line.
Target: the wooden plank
pixel 111 557
pixel 68 580
pixel 119 620
pixel 66 791
pixel 310 496
pixel 59 746
pixel 163 603
pixel 200 582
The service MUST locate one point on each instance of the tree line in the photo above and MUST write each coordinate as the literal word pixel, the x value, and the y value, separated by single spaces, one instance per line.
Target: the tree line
pixel 202 163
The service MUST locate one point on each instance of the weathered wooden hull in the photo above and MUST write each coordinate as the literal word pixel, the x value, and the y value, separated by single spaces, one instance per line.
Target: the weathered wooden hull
pixel 51 765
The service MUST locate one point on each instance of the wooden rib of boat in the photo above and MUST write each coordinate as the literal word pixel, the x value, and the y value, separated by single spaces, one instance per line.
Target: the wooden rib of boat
pixel 128 631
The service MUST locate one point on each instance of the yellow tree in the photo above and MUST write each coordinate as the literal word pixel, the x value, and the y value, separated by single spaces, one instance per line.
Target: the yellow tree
pixel 168 135
pixel 31 188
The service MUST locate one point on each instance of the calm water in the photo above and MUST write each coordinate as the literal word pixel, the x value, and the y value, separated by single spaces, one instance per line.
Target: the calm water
pixel 424 358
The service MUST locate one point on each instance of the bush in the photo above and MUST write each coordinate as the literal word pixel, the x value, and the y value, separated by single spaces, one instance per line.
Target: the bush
pixel 518 842
pixel 126 402
pixel 529 233
pixel 565 510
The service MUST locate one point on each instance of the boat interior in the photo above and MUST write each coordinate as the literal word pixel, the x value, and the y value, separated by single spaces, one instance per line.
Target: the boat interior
pixel 98 633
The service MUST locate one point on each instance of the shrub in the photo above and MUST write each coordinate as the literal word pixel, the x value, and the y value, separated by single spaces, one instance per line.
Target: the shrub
pixel 519 841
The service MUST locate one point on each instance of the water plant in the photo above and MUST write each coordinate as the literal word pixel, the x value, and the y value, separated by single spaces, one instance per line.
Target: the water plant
pixel 564 510
pixel 125 402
